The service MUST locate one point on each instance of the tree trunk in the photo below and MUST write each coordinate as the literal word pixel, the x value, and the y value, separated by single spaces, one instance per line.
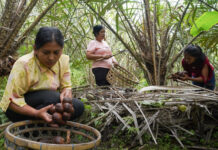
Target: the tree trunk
pixel 151 51
pixel 14 16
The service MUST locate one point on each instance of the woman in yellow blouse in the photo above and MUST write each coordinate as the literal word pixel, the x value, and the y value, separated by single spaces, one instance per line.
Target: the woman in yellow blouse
pixel 39 79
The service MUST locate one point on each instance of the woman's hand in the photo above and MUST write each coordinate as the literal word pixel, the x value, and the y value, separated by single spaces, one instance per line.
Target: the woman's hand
pixel 185 77
pixel 66 93
pixel 30 111
pixel 106 56
pixel 42 113
pixel 92 56
pixel 115 63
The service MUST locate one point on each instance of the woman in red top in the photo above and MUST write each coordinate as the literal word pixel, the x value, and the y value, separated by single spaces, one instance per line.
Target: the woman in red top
pixel 198 68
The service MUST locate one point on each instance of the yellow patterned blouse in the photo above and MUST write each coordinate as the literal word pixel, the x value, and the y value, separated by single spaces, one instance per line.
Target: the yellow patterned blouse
pixel 28 74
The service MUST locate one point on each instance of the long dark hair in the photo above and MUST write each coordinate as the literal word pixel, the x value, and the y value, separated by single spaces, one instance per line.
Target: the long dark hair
pixel 48 34
pixel 97 29
pixel 196 52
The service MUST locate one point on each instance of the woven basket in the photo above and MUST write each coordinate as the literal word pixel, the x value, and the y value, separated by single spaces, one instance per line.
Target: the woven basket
pixel 37 135
pixel 120 77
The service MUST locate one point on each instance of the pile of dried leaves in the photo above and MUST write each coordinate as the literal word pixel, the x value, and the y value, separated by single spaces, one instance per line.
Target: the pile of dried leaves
pixel 153 110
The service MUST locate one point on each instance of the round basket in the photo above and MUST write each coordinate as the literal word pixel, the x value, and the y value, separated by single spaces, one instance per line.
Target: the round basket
pixel 37 135
pixel 120 77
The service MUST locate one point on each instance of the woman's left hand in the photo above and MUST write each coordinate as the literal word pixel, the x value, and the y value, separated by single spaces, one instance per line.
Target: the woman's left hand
pixel 42 113
pixel 66 93
pixel 115 63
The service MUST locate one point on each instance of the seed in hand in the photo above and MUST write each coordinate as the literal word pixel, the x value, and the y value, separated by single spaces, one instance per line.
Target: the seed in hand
pixel 58 140
pixel 52 109
pixel 66 116
pixel 67 100
pixel 59 107
pixel 57 118
pixel 67 107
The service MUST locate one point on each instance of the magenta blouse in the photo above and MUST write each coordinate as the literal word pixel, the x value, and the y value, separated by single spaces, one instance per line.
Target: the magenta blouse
pixel 195 71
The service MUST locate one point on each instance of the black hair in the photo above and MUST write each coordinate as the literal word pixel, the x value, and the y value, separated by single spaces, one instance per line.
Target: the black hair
pixel 48 34
pixel 97 29
pixel 196 52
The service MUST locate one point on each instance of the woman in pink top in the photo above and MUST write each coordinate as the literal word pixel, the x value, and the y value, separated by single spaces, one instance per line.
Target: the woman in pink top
pixel 100 53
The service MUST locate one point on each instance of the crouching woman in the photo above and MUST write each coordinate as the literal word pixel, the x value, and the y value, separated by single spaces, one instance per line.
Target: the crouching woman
pixel 39 80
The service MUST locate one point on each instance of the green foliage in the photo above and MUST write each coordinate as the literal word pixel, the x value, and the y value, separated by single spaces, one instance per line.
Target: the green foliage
pixel 3 118
pixel 99 122
pixel 77 73
pixel 24 49
pixel 87 107
pixel 79 137
pixel 142 83
pixel 204 23
pixel 153 103
pixel 129 120
pixel 3 81
pixel 2 143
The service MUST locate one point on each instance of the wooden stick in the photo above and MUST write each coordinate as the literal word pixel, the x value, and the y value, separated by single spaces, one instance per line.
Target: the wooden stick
pixel 183 129
pixel 145 127
pixel 199 147
pixel 68 137
pixel 112 55
pixel 2 126
pixel 211 91
pixel 154 100
pixel 135 122
pixel 149 129
pixel 107 113
pixel 177 138
pixel 118 116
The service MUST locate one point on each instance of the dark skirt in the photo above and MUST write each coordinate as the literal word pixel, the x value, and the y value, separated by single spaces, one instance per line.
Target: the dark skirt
pixel 100 76
pixel 209 85
pixel 40 99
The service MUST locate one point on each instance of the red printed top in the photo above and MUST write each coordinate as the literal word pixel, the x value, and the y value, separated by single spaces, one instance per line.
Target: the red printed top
pixel 195 71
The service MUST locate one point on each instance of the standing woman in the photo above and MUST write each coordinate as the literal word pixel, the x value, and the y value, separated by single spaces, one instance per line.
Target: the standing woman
pixel 39 79
pixel 198 68
pixel 100 53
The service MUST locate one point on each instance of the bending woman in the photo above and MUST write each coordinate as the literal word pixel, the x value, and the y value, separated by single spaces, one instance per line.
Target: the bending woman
pixel 198 68
pixel 39 79
pixel 100 53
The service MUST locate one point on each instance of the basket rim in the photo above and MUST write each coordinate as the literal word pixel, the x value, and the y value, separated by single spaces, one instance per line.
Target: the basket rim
pixel 44 146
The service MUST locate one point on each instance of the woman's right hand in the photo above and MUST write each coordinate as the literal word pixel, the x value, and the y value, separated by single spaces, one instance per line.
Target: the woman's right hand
pixel 42 113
